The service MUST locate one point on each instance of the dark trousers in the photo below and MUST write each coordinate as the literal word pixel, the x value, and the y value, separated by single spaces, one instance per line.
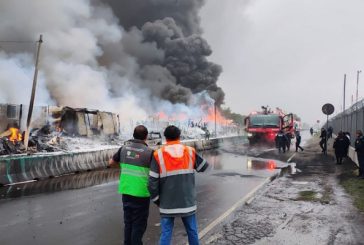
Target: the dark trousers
pixel 339 158
pixel 136 211
pixel 323 145
pixel 282 147
pixel 298 146
pixel 361 165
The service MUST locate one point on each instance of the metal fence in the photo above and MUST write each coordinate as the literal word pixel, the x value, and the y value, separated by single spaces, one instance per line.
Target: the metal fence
pixel 350 120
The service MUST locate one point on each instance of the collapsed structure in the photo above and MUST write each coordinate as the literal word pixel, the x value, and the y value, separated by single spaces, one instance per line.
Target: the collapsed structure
pixel 49 124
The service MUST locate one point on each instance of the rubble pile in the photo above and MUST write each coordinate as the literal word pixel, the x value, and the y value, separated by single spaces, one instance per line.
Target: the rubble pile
pixel 55 143
pixel 57 129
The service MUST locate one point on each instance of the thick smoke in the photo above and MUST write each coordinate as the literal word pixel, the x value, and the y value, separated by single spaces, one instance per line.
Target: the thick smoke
pixel 137 12
pixel 135 57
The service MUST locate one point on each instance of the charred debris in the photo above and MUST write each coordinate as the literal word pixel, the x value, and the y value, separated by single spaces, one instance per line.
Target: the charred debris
pixel 56 129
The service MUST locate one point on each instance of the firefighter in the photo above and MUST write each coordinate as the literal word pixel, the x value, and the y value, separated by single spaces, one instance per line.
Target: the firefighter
pixel 359 148
pixel 172 185
pixel 281 141
pixel 134 160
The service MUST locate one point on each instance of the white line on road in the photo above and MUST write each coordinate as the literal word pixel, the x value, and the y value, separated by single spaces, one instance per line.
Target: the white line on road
pixel 290 159
pixel 268 150
pixel 232 209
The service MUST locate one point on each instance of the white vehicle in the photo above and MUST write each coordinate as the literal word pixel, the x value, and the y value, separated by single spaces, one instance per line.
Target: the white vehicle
pixel 154 138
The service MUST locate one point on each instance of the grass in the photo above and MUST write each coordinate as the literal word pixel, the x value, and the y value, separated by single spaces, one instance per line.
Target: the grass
pixel 355 187
pixel 307 196
pixel 312 196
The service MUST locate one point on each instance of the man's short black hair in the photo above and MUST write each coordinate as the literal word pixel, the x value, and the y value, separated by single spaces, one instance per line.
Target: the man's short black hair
pixel 172 133
pixel 140 132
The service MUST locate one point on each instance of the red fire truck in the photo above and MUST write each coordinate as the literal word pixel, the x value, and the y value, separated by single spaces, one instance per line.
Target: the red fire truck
pixel 262 127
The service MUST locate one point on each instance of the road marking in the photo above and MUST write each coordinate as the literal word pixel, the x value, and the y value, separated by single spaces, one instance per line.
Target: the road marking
pixel 290 159
pixel 232 209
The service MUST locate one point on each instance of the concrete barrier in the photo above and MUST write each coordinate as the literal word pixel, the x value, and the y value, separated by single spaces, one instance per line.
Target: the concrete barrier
pixel 21 168
pixel 353 156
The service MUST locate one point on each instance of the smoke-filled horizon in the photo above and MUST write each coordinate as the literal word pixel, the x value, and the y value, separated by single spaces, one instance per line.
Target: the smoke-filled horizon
pixel 130 57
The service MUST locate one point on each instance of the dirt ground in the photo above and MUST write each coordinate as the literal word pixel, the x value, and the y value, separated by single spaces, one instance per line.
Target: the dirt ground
pixel 309 207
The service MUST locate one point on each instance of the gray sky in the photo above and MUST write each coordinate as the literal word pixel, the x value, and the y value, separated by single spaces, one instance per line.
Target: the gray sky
pixel 287 53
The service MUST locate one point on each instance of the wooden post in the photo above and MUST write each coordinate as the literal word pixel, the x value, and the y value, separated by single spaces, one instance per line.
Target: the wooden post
pixel 31 104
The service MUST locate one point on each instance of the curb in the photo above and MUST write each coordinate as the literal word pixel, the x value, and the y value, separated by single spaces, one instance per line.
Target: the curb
pixel 245 200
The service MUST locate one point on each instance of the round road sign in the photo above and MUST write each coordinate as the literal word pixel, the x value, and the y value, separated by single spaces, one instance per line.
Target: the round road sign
pixel 328 109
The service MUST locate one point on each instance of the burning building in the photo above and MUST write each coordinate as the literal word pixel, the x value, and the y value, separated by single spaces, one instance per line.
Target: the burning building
pixel 50 121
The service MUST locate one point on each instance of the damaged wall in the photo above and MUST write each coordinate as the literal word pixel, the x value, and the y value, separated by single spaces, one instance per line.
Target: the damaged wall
pixel 75 122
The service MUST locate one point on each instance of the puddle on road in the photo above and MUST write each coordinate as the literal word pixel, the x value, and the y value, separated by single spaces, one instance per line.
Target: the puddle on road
pixel 67 182
pixel 228 161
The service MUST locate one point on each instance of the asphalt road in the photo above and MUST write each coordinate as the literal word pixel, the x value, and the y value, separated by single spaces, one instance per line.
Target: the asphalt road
pixel 86 209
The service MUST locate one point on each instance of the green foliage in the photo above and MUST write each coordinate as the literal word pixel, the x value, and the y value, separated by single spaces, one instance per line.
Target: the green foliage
pixel 355 187
pixel 307 196
pixel 237 118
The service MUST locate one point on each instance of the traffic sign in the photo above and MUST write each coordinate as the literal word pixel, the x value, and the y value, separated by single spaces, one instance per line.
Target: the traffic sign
pixel 328 109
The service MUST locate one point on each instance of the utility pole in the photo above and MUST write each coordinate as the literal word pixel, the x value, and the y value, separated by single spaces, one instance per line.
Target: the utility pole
pixel 344 91
pixel 342 116
pixel 357 84
pixel 31 104
pixel 215 119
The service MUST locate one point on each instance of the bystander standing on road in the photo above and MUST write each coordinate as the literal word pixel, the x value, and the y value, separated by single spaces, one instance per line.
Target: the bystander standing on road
pixel 311 131
pixel 340 145
pixel 323 140
pixel 134 159
pixel 281 141
pixel 298 141
pixel 330 130
pixel 172 185
pixel 359 148
pixel 289 139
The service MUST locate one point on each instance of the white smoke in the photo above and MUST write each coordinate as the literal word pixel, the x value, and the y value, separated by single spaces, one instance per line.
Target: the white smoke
pixel 88 60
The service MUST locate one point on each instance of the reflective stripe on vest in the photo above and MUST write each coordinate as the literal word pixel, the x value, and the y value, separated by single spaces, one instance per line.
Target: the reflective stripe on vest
pixel 163 169
pixel 178 210
pixel 161 163
pixel 190 152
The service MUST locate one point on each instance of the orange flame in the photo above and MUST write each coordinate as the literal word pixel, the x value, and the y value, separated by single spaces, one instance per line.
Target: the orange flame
pixel 174 117
pixel 209 117
pixel 220 119
pixel 15 135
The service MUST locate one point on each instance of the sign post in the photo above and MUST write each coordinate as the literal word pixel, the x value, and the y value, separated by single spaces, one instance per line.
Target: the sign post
pixel 327 109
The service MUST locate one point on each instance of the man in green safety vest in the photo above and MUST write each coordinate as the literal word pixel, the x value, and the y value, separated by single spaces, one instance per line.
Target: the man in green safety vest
pixel 134 159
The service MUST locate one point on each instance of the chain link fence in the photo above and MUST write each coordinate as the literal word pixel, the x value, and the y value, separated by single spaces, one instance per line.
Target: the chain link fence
pixel 350 120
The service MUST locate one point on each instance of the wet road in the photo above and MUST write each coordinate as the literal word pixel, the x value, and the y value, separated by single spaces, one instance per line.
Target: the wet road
pixel 86 209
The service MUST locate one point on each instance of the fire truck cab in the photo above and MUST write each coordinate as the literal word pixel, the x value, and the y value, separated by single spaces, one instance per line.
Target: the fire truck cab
pixel 262 127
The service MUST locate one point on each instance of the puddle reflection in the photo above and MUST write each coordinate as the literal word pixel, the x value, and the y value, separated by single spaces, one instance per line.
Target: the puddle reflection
pixel 223 161
pixel 254 164
pixel 69 182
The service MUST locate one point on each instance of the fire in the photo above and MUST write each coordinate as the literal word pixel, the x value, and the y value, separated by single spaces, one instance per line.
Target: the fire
pixel 173 117
pixel 15 135
pixel 220 119
pixel 206 115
